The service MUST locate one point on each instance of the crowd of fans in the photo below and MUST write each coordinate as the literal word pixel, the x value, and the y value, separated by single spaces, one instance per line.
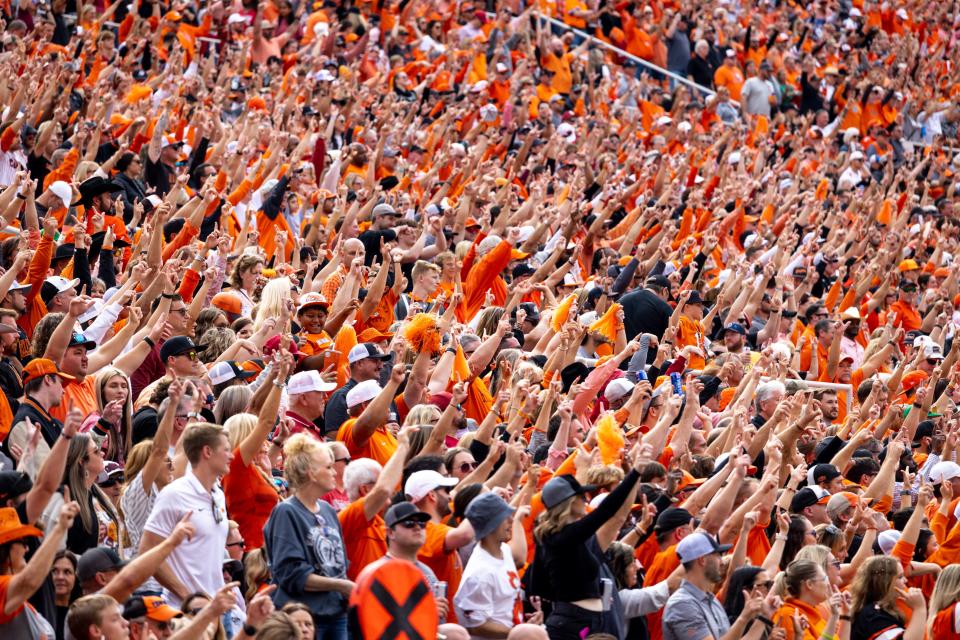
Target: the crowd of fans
pixel 440 307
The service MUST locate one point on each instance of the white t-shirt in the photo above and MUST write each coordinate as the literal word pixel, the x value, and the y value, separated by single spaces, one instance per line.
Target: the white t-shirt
pixel 489 590
pixel 198 562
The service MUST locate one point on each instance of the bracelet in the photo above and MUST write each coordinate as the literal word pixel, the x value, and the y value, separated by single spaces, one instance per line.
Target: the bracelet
pixel 765 621
pixel 845 617
pixel 665 342
pixel 789 489
pixel 918 406
pixel 780 536
pixel 194 414
pixel 21 196
pixel 63 434
pixel 168 296
pixel 277 383
pixel 149 341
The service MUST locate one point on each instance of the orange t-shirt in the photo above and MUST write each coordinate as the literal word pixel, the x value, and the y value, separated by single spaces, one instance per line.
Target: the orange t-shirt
pixel 4 586
pixel 380 447
pixel 731 78
pixel 945 623
pixel 83 395
pixel 447 566
pixel 250 499
pixel 365 540
pixel 690 333
pixel 664 563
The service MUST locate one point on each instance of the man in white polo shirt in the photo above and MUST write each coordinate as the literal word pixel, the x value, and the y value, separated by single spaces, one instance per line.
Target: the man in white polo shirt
pixel 196 565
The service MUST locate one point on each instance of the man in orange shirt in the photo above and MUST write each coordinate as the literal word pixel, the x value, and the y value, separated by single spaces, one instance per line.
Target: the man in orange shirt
pixel 429 491
pixel 729 75
pixel 369 488
pixel 367 435
pixel 673 525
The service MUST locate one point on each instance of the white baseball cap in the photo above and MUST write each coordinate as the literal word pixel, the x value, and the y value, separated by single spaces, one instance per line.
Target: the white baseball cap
pixel 226 371
pixel 307 381
pixel 944 470
pixel 366 350
pixel 61 284
pixel 62 190
pixel 364 392
pixel 887 540
pixel 932 350
pixel 236 18
pixel 616 389
pixel 421 483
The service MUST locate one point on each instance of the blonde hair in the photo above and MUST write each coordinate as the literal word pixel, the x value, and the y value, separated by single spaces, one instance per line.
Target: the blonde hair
pixel 298 452
pixel 86 611
pixel 216 340
pixel 273 299
pixel 137 460
pixel 422 414
pixel 947 590
pixel 607 475
pixel 256 571
pixel 555 519
pixel 279 626
pixel 818 553
pixel 85 169
pixel 239 426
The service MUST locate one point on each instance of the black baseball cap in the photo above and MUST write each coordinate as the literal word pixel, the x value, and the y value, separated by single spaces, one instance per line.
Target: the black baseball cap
pixel 177 345
pixel 658 281
pixel 672 518
pixel 98 559
pixel 402 512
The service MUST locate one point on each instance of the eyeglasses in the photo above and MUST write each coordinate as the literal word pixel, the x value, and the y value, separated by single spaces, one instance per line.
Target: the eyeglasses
pixel 412 524
pixel 467 466
pixel 182 311
pixel 239 543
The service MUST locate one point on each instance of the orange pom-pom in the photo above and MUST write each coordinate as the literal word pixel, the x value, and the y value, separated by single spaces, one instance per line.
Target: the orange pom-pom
pixel 562 313
pixel 422 333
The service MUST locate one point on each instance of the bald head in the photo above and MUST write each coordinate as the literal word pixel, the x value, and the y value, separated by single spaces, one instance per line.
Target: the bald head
pixel 352 249
pixel 528 632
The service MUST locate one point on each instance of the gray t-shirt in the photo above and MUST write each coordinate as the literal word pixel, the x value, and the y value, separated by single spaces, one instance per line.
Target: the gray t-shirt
pixel 300 543
pixel 693 613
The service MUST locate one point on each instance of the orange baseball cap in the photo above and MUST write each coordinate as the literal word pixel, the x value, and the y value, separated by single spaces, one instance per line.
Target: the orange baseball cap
pixel 150 607
pixel 43 367
pixel 227 302
pixel 908 265
pixel 373 335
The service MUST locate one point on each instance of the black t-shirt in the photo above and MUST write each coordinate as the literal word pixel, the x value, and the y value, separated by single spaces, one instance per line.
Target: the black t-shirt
pixel 159 176
pixel 871 622
pixel 44 599
pixel 644 312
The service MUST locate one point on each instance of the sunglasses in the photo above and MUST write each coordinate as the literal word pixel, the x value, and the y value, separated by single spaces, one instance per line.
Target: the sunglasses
pixel 346 460
pixel 412 524
pixel 189 354
pixel 239 543
pixel 217 516
pixel 933 362
pixel 466 467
